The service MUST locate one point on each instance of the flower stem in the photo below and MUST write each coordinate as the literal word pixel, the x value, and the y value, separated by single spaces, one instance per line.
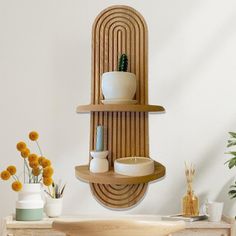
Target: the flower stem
pixel 24 171
pixel 16 177
pixel 50 192
pixel 40 150
pixel 13 177
pixel 28 170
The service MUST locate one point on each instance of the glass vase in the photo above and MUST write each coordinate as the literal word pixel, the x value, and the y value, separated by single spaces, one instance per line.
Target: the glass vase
pixel 190 204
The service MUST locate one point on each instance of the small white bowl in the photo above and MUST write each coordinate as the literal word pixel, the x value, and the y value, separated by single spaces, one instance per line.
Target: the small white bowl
pixel 134 166
pixel 99 154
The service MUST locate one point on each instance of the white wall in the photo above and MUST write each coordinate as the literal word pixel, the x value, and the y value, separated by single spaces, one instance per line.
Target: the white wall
pixel 45 74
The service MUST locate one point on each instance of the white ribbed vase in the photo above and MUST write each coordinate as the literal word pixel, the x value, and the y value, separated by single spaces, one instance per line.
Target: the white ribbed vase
pixel 29 206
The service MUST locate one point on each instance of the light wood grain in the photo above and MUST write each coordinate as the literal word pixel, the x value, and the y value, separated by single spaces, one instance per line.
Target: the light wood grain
pixel 125 195
pixel 83 173
pixel 34 232
pixel 119 107
pixel 118 228
pixel 46 223
pixel 117 30
pixel 44 227
pixel 204 232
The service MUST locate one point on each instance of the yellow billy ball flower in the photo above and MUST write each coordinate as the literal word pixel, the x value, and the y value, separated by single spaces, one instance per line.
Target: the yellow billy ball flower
pixel 45 163
pixel 5 175
pixel 20 146
pixel 11 170
pixel 36 171
pixel 16 186
pixel 40 159
pixel 32 158
pixel 48 172
pixel 34 164
pixel 25 153
pixel 47 181
pixel 33 135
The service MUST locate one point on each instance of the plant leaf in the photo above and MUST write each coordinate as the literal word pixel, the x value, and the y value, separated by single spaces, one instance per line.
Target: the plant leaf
pixel 231 153
pixel 232 134
pixel 232 192
pixel 232 163
pixel 63 189
pixel 231 143
pixel 234 196
pixel 227 162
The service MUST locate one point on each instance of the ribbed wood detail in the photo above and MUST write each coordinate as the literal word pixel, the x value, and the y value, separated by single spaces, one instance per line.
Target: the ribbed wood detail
pixel 117 30
pixel 118 196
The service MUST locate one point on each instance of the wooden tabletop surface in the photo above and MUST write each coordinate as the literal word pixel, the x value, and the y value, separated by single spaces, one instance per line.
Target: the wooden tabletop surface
pixel 46 223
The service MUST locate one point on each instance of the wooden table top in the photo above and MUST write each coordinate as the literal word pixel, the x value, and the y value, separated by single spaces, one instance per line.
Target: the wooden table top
pixel 46 223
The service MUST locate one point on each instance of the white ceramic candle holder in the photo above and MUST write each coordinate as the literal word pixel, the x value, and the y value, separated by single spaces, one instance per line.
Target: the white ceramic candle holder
pixel 134 166
pixel 99 163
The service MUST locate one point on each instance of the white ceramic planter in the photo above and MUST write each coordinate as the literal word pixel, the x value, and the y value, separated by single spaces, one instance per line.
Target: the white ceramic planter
pixel 118 85
pixel 99 163
pixel 53 207
pixel 29 206
pixel 134 166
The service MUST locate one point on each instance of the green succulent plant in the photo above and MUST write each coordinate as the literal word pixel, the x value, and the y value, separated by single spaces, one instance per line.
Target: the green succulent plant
pixel 123 63
pixel 232 162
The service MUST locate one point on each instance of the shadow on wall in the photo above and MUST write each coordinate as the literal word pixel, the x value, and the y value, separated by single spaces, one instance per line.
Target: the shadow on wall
pixel 209 158
pixel 203 167
pixel 229 204
pixel 214 44
pixel 222 196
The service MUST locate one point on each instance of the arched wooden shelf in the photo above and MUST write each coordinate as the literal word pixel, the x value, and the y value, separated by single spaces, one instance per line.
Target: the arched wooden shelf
pixel 120 107
pixel 83 173
pixel 117 30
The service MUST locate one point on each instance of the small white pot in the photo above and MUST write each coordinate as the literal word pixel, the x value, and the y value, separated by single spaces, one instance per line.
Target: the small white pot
pixel 118 85
pixel 53 207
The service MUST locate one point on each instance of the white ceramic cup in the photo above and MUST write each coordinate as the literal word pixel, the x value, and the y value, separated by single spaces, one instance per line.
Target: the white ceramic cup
pixel 53 207
pixel 214 211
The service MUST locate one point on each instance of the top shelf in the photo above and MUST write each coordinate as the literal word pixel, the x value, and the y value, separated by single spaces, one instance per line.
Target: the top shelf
pixel 120 107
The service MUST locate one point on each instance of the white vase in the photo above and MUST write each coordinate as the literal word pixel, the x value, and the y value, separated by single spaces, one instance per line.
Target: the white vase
pixel 99 163
pixel 29 206
pixel 53 207
pixel 118 85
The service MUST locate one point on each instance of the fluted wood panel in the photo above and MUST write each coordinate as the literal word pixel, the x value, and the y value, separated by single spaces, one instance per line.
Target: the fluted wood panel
pixel 117 30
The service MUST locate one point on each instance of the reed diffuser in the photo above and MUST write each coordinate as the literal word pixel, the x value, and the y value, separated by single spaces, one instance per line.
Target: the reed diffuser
pixel 190 203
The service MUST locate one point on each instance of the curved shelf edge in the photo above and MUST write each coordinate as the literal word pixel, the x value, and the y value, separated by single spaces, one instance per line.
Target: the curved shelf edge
pixel 82 172
pixel 119 107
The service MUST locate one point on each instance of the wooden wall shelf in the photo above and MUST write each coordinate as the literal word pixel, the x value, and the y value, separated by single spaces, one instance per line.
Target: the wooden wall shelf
pixel 83 173
pixel 117 30
pixel 120 107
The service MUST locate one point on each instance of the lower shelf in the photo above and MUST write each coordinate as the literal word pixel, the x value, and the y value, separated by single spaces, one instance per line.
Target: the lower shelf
pixel 110 177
